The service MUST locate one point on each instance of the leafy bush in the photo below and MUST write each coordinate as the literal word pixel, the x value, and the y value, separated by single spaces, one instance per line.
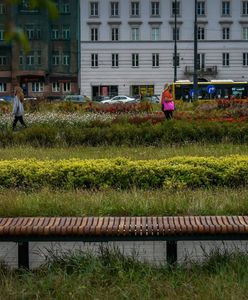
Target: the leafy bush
pixel 122 173
pixel 133 132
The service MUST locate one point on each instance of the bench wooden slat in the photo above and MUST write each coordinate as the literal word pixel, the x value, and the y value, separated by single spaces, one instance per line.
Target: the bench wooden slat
pixel 123 226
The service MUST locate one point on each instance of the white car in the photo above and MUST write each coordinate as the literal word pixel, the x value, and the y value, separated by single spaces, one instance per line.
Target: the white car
pixel 119 99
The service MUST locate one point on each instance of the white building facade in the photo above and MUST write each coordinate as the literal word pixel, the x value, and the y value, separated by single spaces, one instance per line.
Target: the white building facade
pixel 127 46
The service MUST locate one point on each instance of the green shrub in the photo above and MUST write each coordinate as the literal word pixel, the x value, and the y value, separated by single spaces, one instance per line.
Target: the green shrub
pixel 122 173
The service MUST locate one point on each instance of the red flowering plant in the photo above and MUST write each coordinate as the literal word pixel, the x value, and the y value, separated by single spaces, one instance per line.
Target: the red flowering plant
pixel 118 108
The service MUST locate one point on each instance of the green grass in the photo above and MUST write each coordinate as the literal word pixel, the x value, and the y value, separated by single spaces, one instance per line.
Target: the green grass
pixel 127 152
pixel 111 276
pixel 218 201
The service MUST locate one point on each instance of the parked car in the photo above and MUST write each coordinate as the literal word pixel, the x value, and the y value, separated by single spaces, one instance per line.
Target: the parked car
pixel 7 98
pixel 120 99
pixel 30 98
pixel 101 98
pixel 76 98
pixel 152 99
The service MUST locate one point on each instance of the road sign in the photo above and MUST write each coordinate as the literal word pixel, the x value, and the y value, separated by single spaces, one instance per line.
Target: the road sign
pixel 211 89
pixel 191 93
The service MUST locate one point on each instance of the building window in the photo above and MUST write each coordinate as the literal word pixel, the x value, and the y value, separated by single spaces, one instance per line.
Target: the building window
pixel 200 61
pixel 3 8
pixel 176 9
pixel 94 34
pixel 30 59
pixel 155 33
pixel 177 60
pixel 115 33
pixel 225 59
pixel 226 8
pixel 37 87
pixel 245 33
pixel 1 34
pixel 30 31
pixel 175 33
pixel 115 60
pixel 245 59
pixel 245 8
pixel 135 60
pixel 65 9
pixel 135 9
pixel 94 9
pixel 225 33
pixel 66 32
pixel 55 32
pixel 56 87
pixel 155 60
pixel 21 59
pixel 201 8
pixel 114 9
pixel 39 58
pixel 155 9
pixel 201 33
pixel 66 87
pixel 55 58
pixel 94 60
pixel 3 60
pixel 66 59
pixel 3 87
pixel 135 34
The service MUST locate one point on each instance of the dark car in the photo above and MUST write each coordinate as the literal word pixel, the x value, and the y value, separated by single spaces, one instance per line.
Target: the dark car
pixel 76 98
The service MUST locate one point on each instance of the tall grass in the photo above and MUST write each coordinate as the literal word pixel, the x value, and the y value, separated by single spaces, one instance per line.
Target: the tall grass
pixel 112 276
pixel 47 202
pixel 128 152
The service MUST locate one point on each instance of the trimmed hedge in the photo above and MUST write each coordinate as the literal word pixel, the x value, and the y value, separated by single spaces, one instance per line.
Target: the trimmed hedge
pixel 124 133
pixel 122 173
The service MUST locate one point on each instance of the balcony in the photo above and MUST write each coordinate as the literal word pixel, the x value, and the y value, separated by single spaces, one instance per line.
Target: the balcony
pixel 208 70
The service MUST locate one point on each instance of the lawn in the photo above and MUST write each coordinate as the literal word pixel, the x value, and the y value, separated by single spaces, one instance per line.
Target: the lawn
pixel 111 276
pixel 133 153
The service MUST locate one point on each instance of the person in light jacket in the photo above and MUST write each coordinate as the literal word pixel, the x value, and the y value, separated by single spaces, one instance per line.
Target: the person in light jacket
pixel 18 109
pixel 168 105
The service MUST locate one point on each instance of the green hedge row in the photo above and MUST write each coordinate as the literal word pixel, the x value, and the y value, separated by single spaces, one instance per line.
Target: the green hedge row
pixel 122 173
pixel 169 132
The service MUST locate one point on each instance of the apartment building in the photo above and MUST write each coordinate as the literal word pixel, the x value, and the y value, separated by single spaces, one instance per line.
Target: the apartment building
pixel 127 46
pixel 51 66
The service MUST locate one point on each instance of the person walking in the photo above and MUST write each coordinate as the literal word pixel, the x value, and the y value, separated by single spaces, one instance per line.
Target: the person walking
pixel 18 109
pixel 168 105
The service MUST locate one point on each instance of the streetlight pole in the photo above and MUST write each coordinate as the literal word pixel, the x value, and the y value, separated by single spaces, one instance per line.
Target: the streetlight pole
pixel 175 42
pixel 195 55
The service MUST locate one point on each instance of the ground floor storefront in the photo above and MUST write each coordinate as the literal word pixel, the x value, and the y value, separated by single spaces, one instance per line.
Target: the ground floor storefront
pixel 98 92
pixel 42 85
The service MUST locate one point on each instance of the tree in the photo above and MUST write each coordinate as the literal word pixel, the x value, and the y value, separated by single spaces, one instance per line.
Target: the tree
pixel 15 33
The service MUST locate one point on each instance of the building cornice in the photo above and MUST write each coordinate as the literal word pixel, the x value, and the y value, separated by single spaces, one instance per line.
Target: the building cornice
pixel 114 22
pixel 135 22
pixel 155 22
pixel 94 23
pixel 243 21
pixel 225 22
pixel 173 22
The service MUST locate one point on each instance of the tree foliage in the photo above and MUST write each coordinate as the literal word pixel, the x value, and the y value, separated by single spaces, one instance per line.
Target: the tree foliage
pixel 15 33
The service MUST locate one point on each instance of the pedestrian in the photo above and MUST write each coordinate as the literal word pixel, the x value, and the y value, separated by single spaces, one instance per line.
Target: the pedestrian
pixel 168 105
pixel 18 109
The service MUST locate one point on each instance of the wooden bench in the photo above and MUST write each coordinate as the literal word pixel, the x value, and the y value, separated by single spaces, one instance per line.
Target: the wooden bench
pixel 104 229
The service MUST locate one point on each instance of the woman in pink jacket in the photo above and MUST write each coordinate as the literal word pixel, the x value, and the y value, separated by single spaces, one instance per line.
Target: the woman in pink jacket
pixel 168 105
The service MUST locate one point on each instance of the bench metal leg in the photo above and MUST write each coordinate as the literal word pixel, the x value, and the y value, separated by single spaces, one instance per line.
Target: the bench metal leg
pixel 23 255
pixel 171 252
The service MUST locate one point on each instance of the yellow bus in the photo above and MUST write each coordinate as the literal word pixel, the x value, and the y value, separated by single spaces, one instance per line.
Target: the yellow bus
pixel 214 89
